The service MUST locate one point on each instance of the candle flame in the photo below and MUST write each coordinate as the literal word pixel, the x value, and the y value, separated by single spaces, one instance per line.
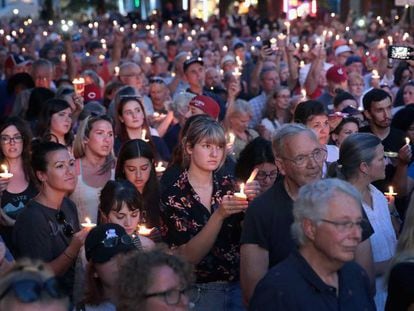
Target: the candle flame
pixel 4 168
pixel 242 188
pixel 407 140
pixel 88 220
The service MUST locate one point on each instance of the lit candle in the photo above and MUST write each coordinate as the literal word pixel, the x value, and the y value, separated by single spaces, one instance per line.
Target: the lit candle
pixel 144 230
pixel 6 173
pixel 232 138
pixel 390 191
pixel 116 69
pixel 88 223
pixel 159 168
pixel 287 24
pixel 252 175
pixel 63 57
pixel 241 194
pixel 390 40
pixel 79 85
pixel 303 92
pixel 407 141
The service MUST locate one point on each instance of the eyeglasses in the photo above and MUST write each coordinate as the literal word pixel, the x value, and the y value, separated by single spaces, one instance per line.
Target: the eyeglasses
pixel 319 155
pixel 67 227
pixel 172 296
pixel 114 241
pixel 157 80
pixel 5 139
pixel 262 175
pixel 31 290
pixel 346 225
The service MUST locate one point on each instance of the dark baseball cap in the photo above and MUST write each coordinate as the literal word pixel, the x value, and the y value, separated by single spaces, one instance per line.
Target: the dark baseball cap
pixel 106 241
pixel 192 60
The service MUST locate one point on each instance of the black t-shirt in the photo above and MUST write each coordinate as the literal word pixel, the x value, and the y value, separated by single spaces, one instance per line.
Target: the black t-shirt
pixel 268 221
pixel 38 235
pixel 400 287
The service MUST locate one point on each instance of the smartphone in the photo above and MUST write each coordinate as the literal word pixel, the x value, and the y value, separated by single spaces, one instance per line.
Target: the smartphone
pixel 400 52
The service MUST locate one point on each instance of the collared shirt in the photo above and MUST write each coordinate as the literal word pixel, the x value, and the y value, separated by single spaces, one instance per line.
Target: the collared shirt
pixel 294 285
pixel 257 105
pixel 183 216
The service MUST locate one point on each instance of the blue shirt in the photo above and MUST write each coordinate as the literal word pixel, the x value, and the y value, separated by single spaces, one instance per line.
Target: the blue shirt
pixel 257 105
pixel 294 285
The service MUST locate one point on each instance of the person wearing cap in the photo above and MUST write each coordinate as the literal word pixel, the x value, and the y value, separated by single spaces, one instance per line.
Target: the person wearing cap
pixel 342 53
pixel 354 64
pixel 194 72
pixel 201 104
pixel 337 79
pixel 31 286
pixel 105 247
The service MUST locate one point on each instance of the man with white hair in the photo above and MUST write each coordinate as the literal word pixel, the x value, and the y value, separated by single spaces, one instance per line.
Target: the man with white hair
pixel 320 275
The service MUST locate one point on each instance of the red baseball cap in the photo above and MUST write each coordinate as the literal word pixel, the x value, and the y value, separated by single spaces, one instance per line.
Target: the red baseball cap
pixel 92 93
pixel 207 105
pixel 336 74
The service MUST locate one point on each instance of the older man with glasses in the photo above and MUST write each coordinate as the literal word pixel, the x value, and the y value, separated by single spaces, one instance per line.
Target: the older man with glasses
pixel 320 275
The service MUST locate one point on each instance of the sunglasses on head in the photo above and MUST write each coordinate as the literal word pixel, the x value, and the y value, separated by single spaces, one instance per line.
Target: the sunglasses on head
pixel 67 227
pixel 29 290
pixel 157 80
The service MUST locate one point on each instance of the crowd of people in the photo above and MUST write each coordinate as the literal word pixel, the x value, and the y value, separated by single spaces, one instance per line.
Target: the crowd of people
pixel 235 164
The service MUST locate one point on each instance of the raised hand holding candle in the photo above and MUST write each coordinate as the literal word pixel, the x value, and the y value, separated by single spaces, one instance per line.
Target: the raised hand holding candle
pixel 6 173
pixel 88 223
pixel 241 194
pixel 159 168
pixel 79 85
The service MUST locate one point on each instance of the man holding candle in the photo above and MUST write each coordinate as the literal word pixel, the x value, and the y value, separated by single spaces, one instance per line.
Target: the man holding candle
pixel 266 238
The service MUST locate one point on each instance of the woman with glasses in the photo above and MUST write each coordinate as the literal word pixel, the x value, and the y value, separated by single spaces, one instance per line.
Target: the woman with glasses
pixel 121 203
pixel 132 123
pixel 105 249
pixel 136 163
pixel 48 228
pixel 258 155
pixel 361 162
pixel 93 150
pixel 277 111
pixel 15 139
pixel 55 123
pixel 201 221
pixel 30 285
pixel 154 281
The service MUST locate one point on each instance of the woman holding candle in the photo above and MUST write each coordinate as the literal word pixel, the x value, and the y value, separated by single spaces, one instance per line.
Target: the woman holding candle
pixel 136 164
pixel 94 164
pixel 15 138
pixel 48 229
pixel 120 203
pixel 199 201
pixel 361 162
pixel 55 123
pixel 131 123
pixel 237 120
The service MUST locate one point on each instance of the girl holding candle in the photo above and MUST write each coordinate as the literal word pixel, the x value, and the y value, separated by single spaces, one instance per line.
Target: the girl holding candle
pixel 94 164
pixel 199 201
pixel 131 123
pixel 120 203
pixel 361 162
pixel 136 164
pixel 55 123
pixel 15 139
pixel 48 229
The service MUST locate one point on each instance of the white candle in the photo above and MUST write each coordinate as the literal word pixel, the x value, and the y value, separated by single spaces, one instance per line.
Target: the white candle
pixel 252 175
pixel 159 168
pixel 6 173
pixel 287 24
pixel 232 138
pixel 116 69
pixel 241 194
pixel 88 223
pixel 303 92
pixel 143 135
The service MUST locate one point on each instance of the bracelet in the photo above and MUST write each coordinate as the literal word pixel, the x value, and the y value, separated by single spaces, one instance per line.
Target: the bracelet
pixel 68 256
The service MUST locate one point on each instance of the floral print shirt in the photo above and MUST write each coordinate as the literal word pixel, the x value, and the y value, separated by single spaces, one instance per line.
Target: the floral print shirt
pixel 183 216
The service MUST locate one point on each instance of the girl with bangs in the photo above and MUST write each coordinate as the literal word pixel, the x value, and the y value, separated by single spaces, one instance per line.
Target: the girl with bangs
pixel 132 123
pixel 201 219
